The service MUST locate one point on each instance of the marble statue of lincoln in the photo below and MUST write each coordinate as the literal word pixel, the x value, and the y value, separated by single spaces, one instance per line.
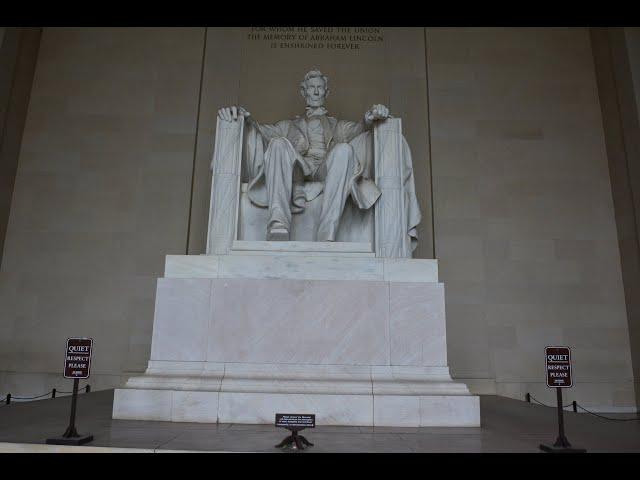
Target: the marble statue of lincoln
pixel 294 161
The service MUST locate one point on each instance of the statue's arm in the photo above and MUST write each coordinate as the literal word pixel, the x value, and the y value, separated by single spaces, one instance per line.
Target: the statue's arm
pixel 350 130
pixel 232 114
pixel 267 131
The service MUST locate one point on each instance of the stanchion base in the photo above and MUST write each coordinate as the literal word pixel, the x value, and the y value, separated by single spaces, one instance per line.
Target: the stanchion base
pixel 81 440
pixel 554 449
pixel 295 442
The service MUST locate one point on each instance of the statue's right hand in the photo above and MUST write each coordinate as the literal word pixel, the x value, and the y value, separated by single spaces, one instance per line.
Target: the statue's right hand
pixel 231 114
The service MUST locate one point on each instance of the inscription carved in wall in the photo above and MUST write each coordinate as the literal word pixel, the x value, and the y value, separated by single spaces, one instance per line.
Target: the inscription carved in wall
pixel 329 38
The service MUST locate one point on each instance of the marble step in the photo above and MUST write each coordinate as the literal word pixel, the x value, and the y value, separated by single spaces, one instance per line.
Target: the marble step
pixel 309 249
pixel 301 267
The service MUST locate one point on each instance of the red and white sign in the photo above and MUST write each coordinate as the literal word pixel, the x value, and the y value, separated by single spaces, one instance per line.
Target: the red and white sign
pixel 77 358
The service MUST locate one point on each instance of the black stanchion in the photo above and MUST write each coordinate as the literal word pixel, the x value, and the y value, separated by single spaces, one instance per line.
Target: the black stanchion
pixel 71 435
pixel 561 444
pixel 53 393
pixel 294 440
pixel 8 400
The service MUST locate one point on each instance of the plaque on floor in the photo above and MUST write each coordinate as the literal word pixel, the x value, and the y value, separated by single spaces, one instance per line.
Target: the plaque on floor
pixel 294 422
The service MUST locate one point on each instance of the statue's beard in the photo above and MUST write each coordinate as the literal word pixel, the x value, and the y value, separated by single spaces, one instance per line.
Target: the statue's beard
pixel 311 102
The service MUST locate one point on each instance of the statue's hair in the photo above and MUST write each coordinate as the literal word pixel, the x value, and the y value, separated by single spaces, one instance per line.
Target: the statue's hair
pixel 314 74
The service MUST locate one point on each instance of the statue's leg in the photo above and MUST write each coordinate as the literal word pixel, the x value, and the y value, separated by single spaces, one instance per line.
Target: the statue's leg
pixel 279 160
pixel 340 165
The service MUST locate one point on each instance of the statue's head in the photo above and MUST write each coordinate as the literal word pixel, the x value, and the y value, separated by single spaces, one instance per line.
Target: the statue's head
pixel 314 88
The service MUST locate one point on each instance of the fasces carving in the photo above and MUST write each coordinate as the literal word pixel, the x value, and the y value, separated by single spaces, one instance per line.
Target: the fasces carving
pixel 225 186
pixel 397 212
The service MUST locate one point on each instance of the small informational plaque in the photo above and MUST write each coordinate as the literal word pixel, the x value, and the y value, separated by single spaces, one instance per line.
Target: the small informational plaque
pixel 295 420
pixel 558 366
pixel 77 359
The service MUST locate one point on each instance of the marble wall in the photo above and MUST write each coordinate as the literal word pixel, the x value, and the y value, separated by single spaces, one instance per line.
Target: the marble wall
pixel 102 194
pixel 525 231
pixel 113 175
pixel 632 43
pixel 616 56
pixel 18 56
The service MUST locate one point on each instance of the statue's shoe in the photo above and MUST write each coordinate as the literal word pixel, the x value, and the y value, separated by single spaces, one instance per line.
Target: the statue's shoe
pixel 277 233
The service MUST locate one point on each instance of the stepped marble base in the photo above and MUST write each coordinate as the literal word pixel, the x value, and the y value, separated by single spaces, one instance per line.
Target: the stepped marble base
pixel 338 395
pixel 368 350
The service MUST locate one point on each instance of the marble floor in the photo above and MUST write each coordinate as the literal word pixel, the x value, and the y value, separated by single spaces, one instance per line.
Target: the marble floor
pixel 507 426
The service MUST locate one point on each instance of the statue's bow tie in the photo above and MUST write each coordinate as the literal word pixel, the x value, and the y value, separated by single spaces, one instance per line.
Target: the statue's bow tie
pixel 315 111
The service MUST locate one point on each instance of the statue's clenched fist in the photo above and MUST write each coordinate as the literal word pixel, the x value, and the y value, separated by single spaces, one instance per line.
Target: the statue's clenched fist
pixel 231 114
pixel 377 112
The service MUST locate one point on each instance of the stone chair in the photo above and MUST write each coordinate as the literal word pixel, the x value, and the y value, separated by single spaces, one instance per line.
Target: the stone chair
pixel 234 220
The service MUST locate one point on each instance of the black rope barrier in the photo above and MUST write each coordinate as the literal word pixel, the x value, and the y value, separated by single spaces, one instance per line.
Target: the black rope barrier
pixel 576 405
pixel 8 398
pixel 609 418
pixel 31 398
pixel 531 397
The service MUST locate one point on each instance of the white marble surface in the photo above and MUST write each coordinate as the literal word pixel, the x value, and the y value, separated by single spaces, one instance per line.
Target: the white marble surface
pixel 314 322
pixel 292 378
pixel 335 248
pixel 132 404
pixel 409 270
pixel 304 267
pixel 181 319
pixel 289 321
pixel 300 268
pixel 352 350
pixel 337 394
pixel 330 409
pixel 192 266
pixel 397 411
pixel 417 325
pixel 308 322
pixel 427 411
pixel 190 406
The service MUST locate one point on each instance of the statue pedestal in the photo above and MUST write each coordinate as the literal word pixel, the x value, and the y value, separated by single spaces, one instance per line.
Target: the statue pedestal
pixel 355 339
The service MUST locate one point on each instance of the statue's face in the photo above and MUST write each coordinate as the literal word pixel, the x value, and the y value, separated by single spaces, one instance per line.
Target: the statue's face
pixel 315 92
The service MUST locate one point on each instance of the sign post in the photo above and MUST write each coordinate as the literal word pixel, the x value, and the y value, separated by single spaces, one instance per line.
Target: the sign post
pixel 294 422
pixel 77 365
pixel 558 368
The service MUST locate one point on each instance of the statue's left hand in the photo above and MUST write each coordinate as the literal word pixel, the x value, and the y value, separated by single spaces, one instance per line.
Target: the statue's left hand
pixel 377 112
pixel 231 114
